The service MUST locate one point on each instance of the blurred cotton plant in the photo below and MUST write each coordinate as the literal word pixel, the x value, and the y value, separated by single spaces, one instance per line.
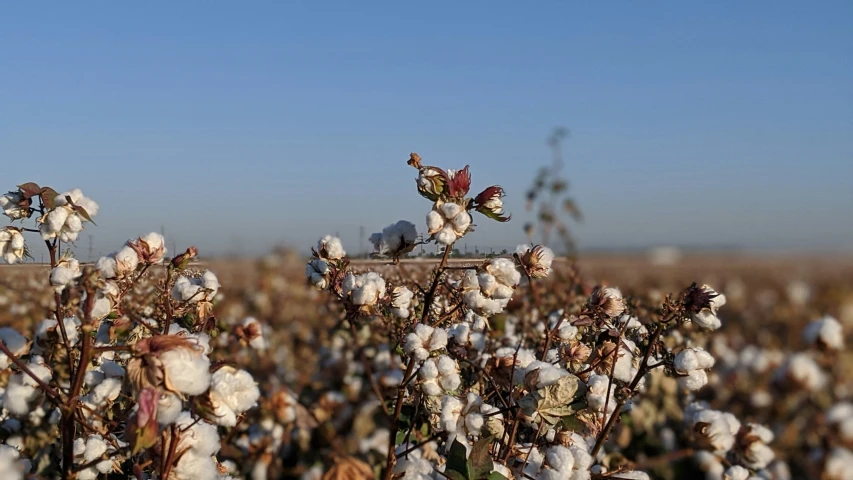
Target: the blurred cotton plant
pixel 120 379
pixel 541 395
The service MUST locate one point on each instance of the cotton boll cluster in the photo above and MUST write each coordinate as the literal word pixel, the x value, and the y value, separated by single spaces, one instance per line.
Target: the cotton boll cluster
pixel 447 222
pixel 464 419
pixel 691 364
pixel 413 466
pixel 423 340
pixel 12 466
pixel 17 344
pixel 330 248
pixel 199 441
pixel 232 392
pixel 88 450
pixel 365 289
pixel 395 239
pixel 12 248
pixel 317 271
pixel 105 384
pixel 559 462
pixel 14 205
pixel 401 301
pixel 488 292
pixel 64 273
pixel 23 390
pixel 536 260
pixel 714 430
pixel 65 220
pixel 600 393
pixel 825 333
pixel 753 441
pixel 439 375
pixel 194 290
pixel 470 332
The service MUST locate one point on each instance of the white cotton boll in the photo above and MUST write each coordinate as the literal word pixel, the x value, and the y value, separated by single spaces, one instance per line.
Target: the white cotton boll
pixel 187 370
pixel 429 370
pixel 460 333
pixel 107 391
pixel 332 246
pixel 210 282
pixel 451 408
pixel 801 369
pixel 15 342
pixel 73 224
pixel 17 397
pixel 450 382
pixel 450 210
pixel 841 414
pixel 487 282
pixel 446 365
pixel 12 467
pixel 56 218
pixel 693 381
pixel 169 407
pixel 624 368
pixel 434 221
pixel 195 466
pixel 235 388
pixel 504 271
pixel 474 423
pixel 707 320
pixel 438 339
pixel 560 459
pixel 837 464
pixel 461 222
pixel 414 347
pixel 826 332
pixel 691 359
pixel 736 472
pixel 126 260
pixel 107 266
pixel 197 435
pixel 446 235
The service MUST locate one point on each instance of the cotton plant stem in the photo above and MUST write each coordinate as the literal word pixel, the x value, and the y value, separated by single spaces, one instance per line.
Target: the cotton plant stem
pixel 410 368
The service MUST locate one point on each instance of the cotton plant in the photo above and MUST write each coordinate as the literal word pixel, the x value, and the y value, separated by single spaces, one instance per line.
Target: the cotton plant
pixel 123 367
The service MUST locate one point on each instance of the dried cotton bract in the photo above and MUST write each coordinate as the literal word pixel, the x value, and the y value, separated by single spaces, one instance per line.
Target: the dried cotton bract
pixel 536 260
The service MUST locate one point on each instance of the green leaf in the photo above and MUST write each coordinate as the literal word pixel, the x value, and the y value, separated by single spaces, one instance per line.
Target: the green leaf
pixel 457 460
pixel 496 476
pixel 480 463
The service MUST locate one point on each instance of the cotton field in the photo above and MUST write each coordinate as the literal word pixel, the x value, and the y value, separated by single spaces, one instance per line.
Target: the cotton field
pixel 148 364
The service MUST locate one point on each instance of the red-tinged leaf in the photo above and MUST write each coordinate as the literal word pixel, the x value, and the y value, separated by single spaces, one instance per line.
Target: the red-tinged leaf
pixel 460 183
pixel 48 197
pixel 29 189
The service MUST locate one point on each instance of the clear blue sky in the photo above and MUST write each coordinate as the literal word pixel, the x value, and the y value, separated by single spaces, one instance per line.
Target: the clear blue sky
pixel 253 123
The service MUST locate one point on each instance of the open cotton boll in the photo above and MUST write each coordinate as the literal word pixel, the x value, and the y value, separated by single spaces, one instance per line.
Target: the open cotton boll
pixel 330 247
pixel 197 435
pixel 12 466
pixel 825 332
pixel 232 390
pixel 15 342
pixel 169 408
pixel 107 266
pixel 64 273
pixel 186 370
pixel 195 466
